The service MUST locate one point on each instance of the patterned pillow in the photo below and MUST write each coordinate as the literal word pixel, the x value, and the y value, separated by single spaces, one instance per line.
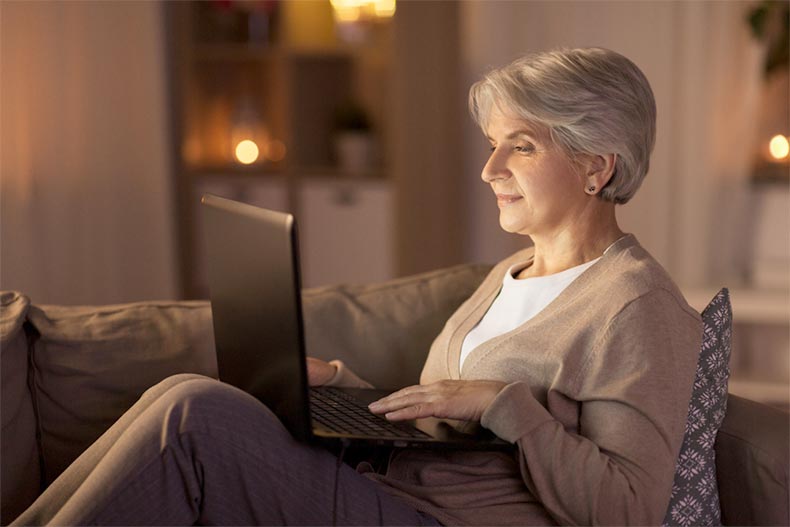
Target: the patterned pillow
pixel 695 495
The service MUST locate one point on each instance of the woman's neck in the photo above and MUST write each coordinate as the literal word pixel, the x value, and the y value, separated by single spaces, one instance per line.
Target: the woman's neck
pixel 574 244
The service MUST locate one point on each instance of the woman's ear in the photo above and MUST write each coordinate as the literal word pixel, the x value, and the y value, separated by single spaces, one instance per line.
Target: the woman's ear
pixel 599 170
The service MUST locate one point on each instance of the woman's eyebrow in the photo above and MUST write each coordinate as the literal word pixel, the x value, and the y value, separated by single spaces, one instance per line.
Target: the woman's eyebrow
pixel 516 133
pixel 529 133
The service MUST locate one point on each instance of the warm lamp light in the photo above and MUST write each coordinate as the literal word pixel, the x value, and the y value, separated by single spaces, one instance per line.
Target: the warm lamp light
pixel 362 10
pixel 384 8
pixel 247 152
pixel 779 147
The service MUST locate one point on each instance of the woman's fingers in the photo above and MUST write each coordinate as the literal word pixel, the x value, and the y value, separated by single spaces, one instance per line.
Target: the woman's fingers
pixel 416 411
pixel 399 397
pixel 417 401
pixel 454 399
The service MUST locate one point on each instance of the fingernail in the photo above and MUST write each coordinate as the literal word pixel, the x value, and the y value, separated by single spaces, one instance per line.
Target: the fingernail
pixel 374 405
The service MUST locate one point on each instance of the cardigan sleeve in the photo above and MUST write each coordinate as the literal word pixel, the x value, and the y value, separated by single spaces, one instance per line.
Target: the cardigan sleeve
pixel 633 392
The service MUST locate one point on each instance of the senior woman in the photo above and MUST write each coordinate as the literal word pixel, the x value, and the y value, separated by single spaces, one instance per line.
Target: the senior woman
pixel 579 350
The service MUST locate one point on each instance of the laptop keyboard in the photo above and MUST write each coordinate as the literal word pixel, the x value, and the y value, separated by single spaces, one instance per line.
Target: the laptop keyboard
pixel 341 413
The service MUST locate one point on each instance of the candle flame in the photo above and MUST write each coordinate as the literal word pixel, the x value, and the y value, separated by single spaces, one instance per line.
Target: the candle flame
pixel 779 147
pixel 247 152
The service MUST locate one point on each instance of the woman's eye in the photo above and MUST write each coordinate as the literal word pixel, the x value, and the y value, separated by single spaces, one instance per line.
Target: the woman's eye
pixel 526 149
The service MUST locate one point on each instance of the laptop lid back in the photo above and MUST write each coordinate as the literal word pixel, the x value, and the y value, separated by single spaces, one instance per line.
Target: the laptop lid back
pixel 256 306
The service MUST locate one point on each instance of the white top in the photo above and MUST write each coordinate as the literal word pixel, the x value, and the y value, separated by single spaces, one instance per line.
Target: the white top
pixel 517 302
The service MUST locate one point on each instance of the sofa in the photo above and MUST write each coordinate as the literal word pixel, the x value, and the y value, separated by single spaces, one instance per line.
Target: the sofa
pixel 68 372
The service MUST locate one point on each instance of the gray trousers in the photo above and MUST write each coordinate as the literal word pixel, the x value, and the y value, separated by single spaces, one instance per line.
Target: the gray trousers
pixel 193 450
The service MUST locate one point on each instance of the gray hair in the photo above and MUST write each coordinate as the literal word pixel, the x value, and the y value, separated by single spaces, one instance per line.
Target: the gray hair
pixel 591 100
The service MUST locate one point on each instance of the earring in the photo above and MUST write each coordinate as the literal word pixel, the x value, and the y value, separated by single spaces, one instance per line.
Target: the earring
pixel 591 189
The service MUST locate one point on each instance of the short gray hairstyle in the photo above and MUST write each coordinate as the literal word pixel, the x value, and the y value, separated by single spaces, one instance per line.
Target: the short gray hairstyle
pixel 591 100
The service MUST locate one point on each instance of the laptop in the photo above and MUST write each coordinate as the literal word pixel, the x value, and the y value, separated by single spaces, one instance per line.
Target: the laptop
pixel 255 292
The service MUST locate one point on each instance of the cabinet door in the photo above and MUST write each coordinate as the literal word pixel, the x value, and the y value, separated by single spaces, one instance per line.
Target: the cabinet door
pixel 346 231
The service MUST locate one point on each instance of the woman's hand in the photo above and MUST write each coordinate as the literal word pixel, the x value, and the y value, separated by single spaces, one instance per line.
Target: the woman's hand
pixel 319 372
pixel 448 399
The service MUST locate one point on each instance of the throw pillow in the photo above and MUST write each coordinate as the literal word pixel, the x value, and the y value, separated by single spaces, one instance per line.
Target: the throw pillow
pixel 695 494
pixel 90 364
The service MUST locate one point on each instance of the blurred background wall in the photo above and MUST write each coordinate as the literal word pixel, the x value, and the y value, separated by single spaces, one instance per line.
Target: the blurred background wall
pixel 85 196
pixel 87 187
pixel 117 116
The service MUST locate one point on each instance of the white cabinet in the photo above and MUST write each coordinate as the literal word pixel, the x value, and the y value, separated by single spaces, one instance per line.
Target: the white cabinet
pixel 346 230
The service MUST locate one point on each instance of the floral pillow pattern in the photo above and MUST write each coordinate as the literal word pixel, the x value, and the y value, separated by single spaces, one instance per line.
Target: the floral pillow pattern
pixel 695 495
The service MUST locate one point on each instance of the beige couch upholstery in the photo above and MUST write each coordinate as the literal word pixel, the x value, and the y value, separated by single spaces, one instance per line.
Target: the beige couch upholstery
pixel 69 372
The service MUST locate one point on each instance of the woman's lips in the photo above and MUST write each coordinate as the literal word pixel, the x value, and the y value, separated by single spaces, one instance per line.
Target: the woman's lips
pixel 507 199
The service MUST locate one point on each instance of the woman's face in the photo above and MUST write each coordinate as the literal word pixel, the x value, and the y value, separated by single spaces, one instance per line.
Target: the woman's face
pixel 537 188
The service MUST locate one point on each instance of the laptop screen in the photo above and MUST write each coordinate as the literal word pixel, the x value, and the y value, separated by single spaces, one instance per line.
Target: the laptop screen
pixel 253 275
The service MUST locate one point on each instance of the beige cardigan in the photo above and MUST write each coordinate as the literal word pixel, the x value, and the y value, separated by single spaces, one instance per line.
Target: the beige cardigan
pixel 598 391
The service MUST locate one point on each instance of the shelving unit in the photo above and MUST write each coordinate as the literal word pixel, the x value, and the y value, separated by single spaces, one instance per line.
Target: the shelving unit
pixel 239 72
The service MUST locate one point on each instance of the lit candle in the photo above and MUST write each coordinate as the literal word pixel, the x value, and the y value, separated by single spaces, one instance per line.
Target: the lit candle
pixel 779 147
pixel 247 152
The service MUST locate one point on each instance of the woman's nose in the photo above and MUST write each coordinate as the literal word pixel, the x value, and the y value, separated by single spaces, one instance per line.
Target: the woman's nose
pixel 495 168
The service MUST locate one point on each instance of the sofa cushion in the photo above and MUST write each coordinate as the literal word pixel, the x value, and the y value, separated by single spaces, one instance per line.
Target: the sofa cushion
pixel 19 471
pixel 752 464
pixel 695 494
pixel 90 364
pixel 383 331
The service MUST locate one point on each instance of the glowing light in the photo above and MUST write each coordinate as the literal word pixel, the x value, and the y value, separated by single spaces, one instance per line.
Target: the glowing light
pixel 247 152
pixel 356 10
pixel 346 10
pixel 384 8
pixel 779 147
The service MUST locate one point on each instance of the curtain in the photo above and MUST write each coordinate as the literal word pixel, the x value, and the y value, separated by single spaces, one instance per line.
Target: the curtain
pixel 85 191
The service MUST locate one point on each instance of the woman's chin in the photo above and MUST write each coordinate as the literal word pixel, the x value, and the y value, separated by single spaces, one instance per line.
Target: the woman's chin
pixel 511 227
pixel 516 219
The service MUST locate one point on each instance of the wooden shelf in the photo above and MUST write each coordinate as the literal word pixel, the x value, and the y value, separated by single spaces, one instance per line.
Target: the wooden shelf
pixel 749 305
pixel 231 80
pixel 235 52
pixel 273 172
pixel 251 171
pixel 240 52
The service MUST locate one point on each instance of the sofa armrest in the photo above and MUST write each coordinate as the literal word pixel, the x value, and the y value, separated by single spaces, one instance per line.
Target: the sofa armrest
pixel 752 464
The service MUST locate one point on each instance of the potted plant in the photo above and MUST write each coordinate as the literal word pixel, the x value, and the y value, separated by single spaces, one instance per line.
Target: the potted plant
pixel 354 140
